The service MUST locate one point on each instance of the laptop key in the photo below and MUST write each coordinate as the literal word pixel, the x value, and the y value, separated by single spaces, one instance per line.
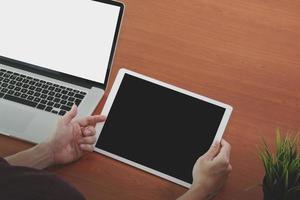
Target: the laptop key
pixel 37 94
pixel 45 91
pixel 43 102
pixel 12 82
pixel 57 105
pixel 4 90
pixel 20 100
pixel 18 89
pixel 57 90
pixel 31 82
pixel 71 99
pixel 50 98
pixel 30 98
pixel 49 108
pixel 51 88
pixel 65 108
pixel 71 94
pixel 12 77
pixel 41 106
pixel 38 89
pixel 63 102
pixel 25 86
pixel 37 99
pixel 50 103
pixel 30 92
pixel 62 112
pixel 79 96
pixel 56 100
pixel 38 84
pixel 1 94
pixel 19 79
pixel 25 81
pixel 77 102
pixel 54 111
pixel 31 88
pixel 24 96
pixel 58 95
pixel 45 86
pixel 19 84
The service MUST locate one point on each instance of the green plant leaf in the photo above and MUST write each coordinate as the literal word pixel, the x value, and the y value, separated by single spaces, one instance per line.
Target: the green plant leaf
pixel 282 169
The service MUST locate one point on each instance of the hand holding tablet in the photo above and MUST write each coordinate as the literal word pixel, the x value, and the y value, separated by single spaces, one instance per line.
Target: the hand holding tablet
pixel 159 128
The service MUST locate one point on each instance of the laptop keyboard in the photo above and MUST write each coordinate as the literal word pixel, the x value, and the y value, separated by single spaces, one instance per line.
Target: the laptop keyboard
pixel 37 93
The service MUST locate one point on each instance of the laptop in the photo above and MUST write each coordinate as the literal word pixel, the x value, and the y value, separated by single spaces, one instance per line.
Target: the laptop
pixel 53 54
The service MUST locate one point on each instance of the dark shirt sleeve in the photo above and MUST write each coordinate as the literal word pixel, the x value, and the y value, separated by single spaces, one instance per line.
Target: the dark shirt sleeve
pixel 24 183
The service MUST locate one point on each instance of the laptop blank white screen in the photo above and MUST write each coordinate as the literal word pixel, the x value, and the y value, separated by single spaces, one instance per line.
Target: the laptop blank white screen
pixel 70 36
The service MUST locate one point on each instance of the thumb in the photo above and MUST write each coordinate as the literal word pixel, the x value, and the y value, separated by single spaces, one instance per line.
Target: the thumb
pixel 213 150
pixel 67 118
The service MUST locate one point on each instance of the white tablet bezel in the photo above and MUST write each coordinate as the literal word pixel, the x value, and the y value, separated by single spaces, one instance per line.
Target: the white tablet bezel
pixel 109 103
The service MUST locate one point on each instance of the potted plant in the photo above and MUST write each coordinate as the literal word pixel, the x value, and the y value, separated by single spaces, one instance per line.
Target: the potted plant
pixel 282 169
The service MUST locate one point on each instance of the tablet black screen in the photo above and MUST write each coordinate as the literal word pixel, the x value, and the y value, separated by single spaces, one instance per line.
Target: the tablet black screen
pixel 159 128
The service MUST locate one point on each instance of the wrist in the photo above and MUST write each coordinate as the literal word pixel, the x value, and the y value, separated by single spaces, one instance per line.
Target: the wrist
pixel 38 157
pixel 198 193
pixel 194 193
pixel 46 151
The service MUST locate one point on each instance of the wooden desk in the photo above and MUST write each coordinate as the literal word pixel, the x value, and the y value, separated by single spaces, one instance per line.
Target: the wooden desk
pixel 244 53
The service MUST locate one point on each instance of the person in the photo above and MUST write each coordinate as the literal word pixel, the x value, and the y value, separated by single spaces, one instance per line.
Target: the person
pixel 22 177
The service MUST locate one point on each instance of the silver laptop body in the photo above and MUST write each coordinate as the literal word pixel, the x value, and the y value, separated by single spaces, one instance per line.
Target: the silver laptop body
pixel 35 95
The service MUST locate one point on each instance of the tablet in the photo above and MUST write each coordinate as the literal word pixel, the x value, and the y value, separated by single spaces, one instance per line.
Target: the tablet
pixel 157 127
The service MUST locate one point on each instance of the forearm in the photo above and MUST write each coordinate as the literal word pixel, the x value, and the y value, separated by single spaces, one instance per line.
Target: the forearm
pixel 39 157
pixel 195 194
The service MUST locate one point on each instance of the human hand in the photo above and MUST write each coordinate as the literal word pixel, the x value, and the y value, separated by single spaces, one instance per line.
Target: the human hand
pixel 210 172
pixel 73 137
pixel 212 169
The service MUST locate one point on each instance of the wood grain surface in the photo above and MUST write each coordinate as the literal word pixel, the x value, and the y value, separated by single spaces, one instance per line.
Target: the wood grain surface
pixel 244 53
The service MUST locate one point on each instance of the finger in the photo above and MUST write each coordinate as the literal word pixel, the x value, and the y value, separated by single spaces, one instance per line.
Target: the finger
pixel 224 156
pixel 87 147
pixel 88 131
pixel 229 168
pixel 91 120
pixel 87 140
pixel 67 118
pixel 213 150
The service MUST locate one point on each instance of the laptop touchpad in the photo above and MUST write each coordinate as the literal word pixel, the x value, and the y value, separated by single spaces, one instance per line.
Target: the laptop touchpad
pixel 14 119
